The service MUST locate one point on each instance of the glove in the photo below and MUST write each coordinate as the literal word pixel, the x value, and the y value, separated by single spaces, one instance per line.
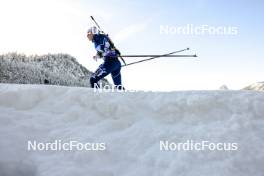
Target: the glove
pixel 97 56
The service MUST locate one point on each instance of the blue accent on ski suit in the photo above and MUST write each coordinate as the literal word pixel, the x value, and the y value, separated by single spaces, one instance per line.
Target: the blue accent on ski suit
pixel 111 63
pixel 103 46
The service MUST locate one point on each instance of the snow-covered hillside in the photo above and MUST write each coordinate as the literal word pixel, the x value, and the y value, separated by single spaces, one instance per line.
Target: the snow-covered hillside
pixel 54 69
pixel 131 125
pixel 259 86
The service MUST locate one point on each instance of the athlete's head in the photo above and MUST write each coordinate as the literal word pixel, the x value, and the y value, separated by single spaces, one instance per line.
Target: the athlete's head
pixel 90 32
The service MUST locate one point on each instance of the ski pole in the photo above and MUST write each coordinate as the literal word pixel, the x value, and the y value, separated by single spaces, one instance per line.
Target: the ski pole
pixel 164 55
pixel 159 55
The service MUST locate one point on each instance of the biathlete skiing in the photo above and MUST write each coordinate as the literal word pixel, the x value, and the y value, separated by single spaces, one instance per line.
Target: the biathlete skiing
pixel 105 50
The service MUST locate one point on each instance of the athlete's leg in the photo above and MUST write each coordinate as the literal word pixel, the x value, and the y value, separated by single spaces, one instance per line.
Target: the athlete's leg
pixel 100 73
pixel 116 76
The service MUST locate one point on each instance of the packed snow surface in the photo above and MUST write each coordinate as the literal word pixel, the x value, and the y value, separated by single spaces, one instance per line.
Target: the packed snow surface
pixel 131 125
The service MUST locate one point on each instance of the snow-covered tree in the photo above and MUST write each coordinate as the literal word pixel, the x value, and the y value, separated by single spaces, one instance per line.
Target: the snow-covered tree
pixel 54 69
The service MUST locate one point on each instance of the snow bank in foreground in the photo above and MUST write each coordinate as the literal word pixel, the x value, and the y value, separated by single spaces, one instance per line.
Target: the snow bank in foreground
pixel 132 126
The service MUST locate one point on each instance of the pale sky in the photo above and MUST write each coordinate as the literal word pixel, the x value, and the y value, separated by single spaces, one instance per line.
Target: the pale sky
pixel 59 26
